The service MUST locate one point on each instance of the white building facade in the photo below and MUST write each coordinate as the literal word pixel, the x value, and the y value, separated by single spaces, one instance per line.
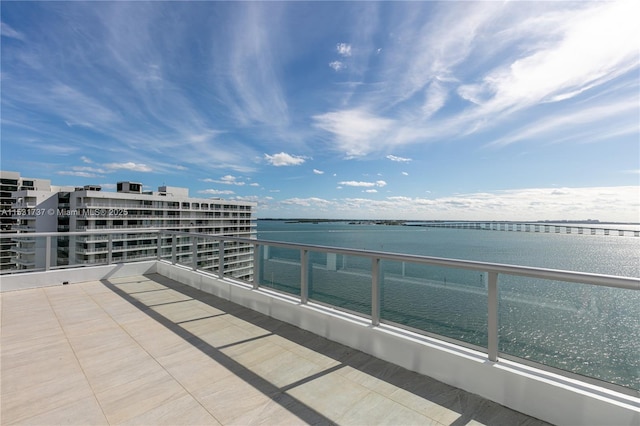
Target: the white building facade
pixel 130 209
pixel 10 184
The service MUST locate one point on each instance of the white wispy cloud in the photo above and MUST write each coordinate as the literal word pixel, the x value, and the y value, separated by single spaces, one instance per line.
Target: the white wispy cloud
pixel 343 49
pixel 337 65
pixel 318 172
pixel 86 160
pixel 440 38
pixel 89 169
pixel 226 180
pixel 307 202
pixel 231 180
pixel 85 171
pixel 520 204
pixel 356 132
pixel 398 159
pixel 379 183
pixel 134 87
pixel 216 192
pixel 571 123
pixel 435 97
pixel 7 31
pixel 252 74
pixel 135 167
pixel 590 48
pixel 524 57
pixel 80 109
pixel 56 149
pixel 78 174
pixel 284 159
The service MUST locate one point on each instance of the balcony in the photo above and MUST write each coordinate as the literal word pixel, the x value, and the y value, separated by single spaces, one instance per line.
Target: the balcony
pixel 23 249
pixel 146 348
pixel 26 228
pixel 162 339
pixel 25 263
pixel 24 205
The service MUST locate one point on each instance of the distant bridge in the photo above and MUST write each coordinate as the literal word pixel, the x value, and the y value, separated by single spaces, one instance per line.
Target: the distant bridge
pixel 557 228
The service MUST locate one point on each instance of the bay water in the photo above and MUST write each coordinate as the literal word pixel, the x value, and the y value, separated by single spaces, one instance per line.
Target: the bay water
pixel 589 330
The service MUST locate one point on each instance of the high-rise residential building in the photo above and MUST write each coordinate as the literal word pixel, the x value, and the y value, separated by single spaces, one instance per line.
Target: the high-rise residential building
pixel 130 209
pixel 10 183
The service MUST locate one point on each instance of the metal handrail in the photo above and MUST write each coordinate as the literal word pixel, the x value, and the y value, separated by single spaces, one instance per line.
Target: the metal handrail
pixel 498 268
pixel 630 283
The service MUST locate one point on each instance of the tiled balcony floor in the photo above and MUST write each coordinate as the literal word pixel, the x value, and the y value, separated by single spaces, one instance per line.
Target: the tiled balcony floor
pixel 148 350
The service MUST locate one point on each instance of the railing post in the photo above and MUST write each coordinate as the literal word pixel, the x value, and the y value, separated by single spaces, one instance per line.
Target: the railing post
pixel 304 276
pixel 194 253
pixel 375 291
pixel 221 259
pixel 492 318
pixel 47 253
pixel 174 249
pixel 257 266
pixel 109 248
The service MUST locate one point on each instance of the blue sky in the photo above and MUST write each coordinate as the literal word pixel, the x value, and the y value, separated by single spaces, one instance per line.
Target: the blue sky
pixel 417 110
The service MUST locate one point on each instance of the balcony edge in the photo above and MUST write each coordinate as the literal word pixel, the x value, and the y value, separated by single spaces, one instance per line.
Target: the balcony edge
pixel 546 396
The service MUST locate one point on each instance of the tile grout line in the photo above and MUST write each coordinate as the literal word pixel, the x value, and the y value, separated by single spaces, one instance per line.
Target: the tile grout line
pixel 224 314
pixel 64 332
pixel 286 388
pixel 152 357
pixel 407 407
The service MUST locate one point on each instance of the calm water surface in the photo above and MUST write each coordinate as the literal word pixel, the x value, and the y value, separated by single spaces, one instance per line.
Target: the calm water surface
pixel 612 255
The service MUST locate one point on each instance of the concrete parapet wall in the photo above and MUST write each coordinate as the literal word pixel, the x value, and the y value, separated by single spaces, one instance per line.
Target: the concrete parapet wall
pixel 547 396
pixel 54 277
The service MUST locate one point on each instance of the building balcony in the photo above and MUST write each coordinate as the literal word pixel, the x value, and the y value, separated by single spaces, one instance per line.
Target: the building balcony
pixel 163 340
pixel 24 205
pixel 6 260
pixel 25 238
pixel 103 238
pixel 24 262
pixel 82 228
pixel 145 349
pixel 24 228
pixel 23 250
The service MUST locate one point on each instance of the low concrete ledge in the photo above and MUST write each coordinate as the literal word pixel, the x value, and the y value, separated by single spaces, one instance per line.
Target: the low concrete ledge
pixel 54 277
pixel 553 398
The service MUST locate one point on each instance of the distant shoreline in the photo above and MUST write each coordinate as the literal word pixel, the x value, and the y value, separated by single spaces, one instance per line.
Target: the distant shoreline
pixel 397 222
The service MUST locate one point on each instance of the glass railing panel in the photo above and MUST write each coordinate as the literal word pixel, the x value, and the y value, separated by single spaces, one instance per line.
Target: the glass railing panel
pixel 585 329
pixel 280 269
pixel 444 301
pixel 341 280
